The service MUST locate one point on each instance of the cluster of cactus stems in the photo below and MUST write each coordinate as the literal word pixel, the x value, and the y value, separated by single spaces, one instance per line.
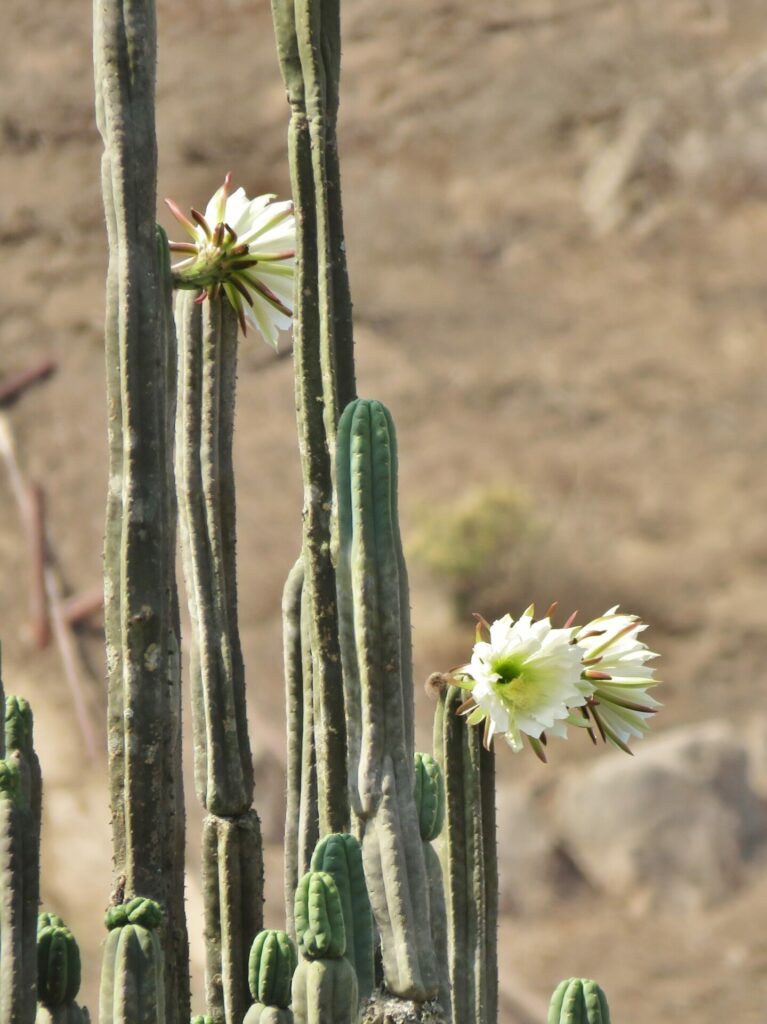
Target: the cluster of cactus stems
pixel 380 926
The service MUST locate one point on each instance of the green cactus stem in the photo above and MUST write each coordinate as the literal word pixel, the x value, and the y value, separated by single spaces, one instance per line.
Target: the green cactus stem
pixel 308 45
pixel 58 974
pixel 578 1001
pixel 301 811
pixel 270 969
pixel 324 989
pixel 132 985
pixel 340 855
pixel 14 946
pixel 469 863
pixel 430 803
pixel 232 853
pixel 141 613
pixel 375 638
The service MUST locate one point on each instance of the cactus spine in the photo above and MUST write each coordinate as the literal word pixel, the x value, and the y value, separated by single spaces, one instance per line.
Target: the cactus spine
pixel 430 803
pixel 340 856
pixel 273 961
pixel 375 637
pixel 469 863
pixel 578 1001
pixel 325 984
pixel 20 810
pixel 58 974
pixel 232 852
pixel 141 612
pixel 132 983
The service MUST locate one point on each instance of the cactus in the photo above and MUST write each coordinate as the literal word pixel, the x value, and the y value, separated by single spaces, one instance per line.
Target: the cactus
pixel 58 973
pixel 375 640
pixel 325 984
pixel 578 1001
pixel 132 984
pixel 141 611
pixel 232 853
pixel 272 963
pixel 340 856
pixel 469 863
pixel 430 803
pixel 19 865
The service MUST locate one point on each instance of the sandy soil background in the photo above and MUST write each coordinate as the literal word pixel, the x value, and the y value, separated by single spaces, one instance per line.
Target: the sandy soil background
pixel 557 229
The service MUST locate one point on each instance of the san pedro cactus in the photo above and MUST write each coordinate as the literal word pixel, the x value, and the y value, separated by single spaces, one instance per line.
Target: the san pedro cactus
pixel 132 983
pixel 140 598
pixel 430 803
pixel 375 642
pixel 578 1001
pixel 20 810
pixel 469 862
pixel 340 856
pixel 58 973
pixel 273 961
pixel 324 985
pixel 232 853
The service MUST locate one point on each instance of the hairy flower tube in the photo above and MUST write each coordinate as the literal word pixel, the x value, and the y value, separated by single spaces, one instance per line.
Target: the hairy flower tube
pixel 245 248
pixel 523 681
pixel 616 677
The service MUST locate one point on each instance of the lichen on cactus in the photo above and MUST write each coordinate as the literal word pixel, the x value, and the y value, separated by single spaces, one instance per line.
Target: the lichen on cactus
pixel 469 862
pixel 273 961
pixel 578 1001
pixel 132 979
pixel 324 987
pixel 340 855
pixel 374 613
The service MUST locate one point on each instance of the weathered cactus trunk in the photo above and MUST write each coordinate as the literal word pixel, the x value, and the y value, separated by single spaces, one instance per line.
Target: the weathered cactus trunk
pixel 232 851
pixel 469 862
pixel 141 610
pixel 308 44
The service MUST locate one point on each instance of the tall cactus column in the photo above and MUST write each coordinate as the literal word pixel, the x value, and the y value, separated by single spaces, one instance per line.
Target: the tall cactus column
pixel 308 44
pixel 140 598
pixel 232 852
pixel 375 632
pixel 469 862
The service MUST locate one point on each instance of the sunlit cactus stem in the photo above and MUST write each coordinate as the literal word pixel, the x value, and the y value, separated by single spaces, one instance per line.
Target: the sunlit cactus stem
pixel 139 563
pixel 469 862
pixel 578 1001
pixel 272 964
pixel 132 985
pixel 232 852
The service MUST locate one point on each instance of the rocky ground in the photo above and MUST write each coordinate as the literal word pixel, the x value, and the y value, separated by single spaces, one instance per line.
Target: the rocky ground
pixel 556 227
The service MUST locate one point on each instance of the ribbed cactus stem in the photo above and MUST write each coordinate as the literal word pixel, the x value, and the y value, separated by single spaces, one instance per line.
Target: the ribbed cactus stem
pixel 469 862
pixel 340 856
pixel 232 852
pixel 578 1001
pixel 272 964
pixel 308 43
pixel 58 974
pixel 375 635
pixel 140 602
pixel 132 985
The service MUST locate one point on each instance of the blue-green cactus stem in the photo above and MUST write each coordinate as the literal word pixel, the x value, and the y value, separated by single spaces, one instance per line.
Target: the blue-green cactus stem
pixel 14 947
pixel 319 917
pixel 272 963
pixel 132 983
pixel 429 796
pixel 261 1013
pixel 325 992
pixel 139 558
pixel 340 855
pixel 58 966
pixel 233 888
pixel 469 863
pixel 375 637
pixel 578 1001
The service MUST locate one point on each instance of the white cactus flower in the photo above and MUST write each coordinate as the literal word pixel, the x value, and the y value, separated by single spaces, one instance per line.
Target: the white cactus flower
pixel 245 248
pixel 523 681
pixel 617 676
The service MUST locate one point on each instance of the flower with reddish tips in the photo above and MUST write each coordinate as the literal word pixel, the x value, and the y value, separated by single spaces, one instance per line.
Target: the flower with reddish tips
pixel 616 677
pixel 245 248
pixel 523 681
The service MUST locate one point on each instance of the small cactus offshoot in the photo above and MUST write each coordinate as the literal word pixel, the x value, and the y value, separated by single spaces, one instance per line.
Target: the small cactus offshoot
pixel 578 1001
